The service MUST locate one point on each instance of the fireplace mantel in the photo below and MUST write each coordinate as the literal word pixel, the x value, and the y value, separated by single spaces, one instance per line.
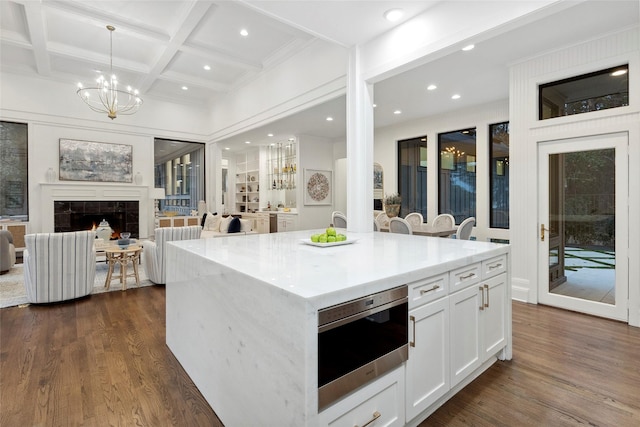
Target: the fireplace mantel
pixel 95 191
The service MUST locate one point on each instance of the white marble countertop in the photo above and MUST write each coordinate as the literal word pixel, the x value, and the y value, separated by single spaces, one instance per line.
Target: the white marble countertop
pixel 325 276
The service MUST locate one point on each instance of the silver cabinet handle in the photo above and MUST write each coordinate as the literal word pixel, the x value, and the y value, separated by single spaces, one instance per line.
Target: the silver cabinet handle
pixel 491 267
pixel 486 287
pixel 468 276
pixel 482 303
pixel 376 415
pixel 411 343
pixel 422 291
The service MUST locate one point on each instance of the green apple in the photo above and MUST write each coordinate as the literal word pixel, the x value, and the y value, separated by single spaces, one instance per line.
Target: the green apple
pixel 315 237
pixel 322 238
pixel 331 231
pixel 331 239
pixel 341 237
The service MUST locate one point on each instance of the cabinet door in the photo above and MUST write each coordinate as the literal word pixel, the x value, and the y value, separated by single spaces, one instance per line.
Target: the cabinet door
pixel 494 315
pixel 428 365
pixel 465 332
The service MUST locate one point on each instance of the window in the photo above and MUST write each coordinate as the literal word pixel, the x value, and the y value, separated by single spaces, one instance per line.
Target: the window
pixel 179 169
pixel 457 179
pixel 499 178
pixel 14 171
pixel 412 175
pixel 589 92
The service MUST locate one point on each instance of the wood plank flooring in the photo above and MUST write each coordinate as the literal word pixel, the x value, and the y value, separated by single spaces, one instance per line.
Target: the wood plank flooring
pixel 102 360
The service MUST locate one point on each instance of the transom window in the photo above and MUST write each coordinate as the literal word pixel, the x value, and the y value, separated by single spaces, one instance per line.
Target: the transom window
pixel 595 91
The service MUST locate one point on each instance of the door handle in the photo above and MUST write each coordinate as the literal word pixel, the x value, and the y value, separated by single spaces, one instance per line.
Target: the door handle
pixel 413 320
pixel 542 230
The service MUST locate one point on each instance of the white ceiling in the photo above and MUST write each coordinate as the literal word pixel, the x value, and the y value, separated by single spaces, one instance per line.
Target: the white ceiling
pixel 161 46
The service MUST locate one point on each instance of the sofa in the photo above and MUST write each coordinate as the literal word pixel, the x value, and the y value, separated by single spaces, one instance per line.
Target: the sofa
pixel 214 225
pixel 7 251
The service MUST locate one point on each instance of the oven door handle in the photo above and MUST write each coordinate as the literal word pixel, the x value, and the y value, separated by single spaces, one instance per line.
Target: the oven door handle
pixel 362 314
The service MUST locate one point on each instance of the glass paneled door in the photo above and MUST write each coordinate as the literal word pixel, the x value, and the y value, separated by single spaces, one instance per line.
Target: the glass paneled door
pixel 583 225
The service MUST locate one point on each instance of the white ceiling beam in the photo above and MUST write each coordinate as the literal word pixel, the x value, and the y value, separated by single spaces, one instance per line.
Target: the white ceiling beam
pixel 186 25
pixel 35 24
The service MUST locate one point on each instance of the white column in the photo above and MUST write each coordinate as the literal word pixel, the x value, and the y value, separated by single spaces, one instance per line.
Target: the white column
pixel 359 147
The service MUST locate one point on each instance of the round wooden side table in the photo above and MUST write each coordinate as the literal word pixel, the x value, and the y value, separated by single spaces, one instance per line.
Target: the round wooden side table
pixel 122 257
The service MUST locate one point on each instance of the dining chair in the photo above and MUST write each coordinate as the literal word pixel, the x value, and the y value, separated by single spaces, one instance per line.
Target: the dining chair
pixel 400 225
pixel 415 219
pixel 338 219
pixel 443 221
pixel 465 228
pixel 382 220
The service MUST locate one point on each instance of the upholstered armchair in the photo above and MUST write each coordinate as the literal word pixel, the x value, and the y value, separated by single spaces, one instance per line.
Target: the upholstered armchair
pixel 154 253
pixel 59 266
pixel 7 251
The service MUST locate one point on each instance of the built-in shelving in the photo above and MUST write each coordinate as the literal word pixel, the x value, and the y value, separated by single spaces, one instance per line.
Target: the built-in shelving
pixel 247 191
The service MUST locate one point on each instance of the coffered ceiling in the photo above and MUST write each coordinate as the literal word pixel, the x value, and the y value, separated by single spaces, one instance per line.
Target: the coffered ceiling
pixel 162 47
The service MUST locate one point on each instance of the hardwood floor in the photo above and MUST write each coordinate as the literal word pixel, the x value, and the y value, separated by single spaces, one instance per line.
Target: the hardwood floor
pixel 102 360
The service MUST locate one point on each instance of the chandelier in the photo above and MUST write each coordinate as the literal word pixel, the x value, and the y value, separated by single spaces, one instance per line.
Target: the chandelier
pixel 105 96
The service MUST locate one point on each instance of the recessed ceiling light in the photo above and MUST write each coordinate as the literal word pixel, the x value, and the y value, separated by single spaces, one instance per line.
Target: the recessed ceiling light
pixel 619 72
pixel 393 15
pixel 269 134
pixel 329 119
pixel 247 142
pixel 432 87
pixel 207 67
pixel 244 33
pixel 185 88
pixel 468 47
pixel 375 105
pixel 397 112
pixel 273 144
pixel 227 148
pixel 456 96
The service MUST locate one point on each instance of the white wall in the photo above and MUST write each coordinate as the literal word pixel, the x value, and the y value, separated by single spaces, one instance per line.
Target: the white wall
pixel 480 117
pixel 311 77
pixel 527 132
pixel 315 153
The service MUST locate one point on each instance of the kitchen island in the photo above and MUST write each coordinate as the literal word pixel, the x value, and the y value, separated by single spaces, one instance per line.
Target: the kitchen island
pixel 242 319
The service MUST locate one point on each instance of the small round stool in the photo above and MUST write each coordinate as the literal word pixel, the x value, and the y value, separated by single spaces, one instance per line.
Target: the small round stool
pixel 122 257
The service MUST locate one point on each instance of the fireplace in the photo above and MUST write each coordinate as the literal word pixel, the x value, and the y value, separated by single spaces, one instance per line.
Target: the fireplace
pixel 122 215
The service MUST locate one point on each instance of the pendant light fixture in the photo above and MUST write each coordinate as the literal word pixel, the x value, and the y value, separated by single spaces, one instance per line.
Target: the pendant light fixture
pixel 105 97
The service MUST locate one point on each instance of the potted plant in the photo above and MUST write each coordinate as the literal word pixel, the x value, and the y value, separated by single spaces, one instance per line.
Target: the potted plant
pixel 392 204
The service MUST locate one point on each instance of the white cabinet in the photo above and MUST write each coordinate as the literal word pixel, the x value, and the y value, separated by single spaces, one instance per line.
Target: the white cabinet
pixel 287 222
pixel 427 370
pixel 379 403
pixel 259 221
pixel 478 319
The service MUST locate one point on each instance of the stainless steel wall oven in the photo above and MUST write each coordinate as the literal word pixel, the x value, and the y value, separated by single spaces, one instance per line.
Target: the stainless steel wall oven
pixel 360 340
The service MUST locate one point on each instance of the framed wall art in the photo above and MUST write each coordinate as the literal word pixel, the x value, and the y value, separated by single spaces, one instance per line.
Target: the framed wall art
pixel 318 187
pixel 95 161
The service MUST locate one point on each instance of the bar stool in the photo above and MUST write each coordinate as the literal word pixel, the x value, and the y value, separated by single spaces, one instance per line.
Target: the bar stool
pixel 122 257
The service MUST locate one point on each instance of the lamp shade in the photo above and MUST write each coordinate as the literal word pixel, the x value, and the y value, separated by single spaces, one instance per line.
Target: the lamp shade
pixel 158 193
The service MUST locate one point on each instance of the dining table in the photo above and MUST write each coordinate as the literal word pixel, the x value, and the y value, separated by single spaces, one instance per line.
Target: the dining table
pixel 427 230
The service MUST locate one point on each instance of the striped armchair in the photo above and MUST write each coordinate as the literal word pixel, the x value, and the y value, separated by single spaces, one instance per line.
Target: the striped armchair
pixel 59 266
pixel 153 254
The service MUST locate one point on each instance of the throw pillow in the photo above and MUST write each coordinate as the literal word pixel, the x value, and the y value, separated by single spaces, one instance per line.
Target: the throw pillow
pixel 224 224
pixel 245 225
pixel 212 222
pixel 204 218
pixel 235 225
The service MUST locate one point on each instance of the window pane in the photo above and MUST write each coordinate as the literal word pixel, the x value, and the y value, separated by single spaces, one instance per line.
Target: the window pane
pixel 14 171
pixel 499 179
pixel 457 186
pixel 590 92
pixel 179 169
pixel 412 175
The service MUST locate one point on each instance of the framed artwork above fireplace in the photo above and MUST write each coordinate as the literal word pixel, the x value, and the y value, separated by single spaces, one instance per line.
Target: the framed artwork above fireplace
pixel 95 161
